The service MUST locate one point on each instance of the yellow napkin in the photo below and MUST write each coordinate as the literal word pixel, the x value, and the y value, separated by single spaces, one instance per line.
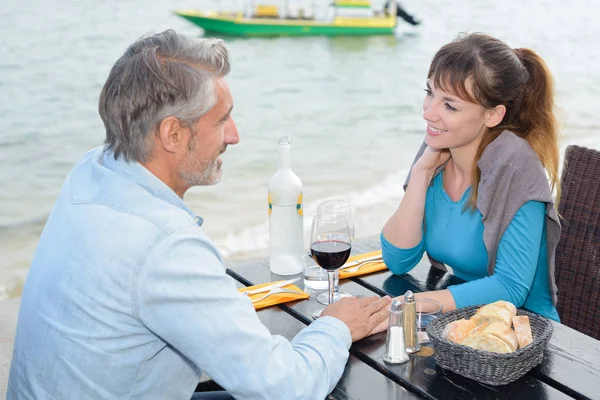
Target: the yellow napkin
pixel 274 298
pixel 367 269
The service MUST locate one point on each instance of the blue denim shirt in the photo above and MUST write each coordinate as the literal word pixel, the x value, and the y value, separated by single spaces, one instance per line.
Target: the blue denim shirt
pixel 127 298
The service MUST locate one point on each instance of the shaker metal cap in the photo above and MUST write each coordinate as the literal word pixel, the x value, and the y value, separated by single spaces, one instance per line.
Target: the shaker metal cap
pixel 409 296
pixel 396 305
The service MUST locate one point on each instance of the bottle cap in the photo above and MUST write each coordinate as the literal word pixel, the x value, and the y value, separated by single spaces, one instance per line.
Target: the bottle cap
pixel 409 296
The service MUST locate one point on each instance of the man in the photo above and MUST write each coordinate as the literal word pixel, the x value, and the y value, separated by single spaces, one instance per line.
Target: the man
pixel 126 297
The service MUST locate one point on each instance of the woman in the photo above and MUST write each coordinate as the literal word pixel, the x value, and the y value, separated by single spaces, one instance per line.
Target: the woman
pixel 479 195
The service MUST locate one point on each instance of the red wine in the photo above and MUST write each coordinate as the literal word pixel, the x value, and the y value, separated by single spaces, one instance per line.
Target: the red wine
pixel 330 254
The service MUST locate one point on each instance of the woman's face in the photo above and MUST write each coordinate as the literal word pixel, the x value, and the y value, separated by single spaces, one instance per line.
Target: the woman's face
pixel 451 122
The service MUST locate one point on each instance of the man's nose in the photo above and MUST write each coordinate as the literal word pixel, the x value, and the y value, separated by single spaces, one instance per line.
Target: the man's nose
pixel 231 132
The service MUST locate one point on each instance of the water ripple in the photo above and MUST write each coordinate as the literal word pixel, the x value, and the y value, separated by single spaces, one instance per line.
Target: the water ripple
pixel 352 104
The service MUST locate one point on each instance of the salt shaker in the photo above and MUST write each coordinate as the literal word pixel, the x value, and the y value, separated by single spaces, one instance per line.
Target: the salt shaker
pixel 395 352
pixel 409 311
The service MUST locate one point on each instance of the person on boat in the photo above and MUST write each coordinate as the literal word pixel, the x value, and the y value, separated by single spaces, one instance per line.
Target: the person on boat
pixel 126 296
pixel 479 194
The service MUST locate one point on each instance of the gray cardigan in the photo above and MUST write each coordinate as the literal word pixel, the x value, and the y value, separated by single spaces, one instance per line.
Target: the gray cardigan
pixel 511 175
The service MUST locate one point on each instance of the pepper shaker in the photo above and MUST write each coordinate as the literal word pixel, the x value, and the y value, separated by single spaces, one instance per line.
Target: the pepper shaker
pixel 409 311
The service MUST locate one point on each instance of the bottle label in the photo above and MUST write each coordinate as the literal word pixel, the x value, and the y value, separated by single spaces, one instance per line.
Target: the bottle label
pixel 299 209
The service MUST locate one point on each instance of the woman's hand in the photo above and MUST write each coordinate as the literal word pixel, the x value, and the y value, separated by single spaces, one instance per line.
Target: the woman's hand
pixel 431 159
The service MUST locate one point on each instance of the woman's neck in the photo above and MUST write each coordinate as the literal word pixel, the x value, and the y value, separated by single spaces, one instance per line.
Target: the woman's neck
pixel 462 161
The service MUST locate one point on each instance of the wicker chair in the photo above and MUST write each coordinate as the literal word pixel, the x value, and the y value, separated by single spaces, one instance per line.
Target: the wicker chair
pixel 578 252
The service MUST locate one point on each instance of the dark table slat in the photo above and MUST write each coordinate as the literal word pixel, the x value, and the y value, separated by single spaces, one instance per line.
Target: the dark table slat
pixel 420 375
pixel 423 375
pixel 571 362
pixel 420 279
pixel 352 384
pixel 251 274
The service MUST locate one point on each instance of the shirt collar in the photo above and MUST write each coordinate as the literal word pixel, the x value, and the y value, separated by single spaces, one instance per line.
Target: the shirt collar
pixel 146 179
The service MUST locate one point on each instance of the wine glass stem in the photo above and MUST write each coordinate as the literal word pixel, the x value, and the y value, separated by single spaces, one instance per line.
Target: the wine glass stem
pixel 336 283
pixel 331 277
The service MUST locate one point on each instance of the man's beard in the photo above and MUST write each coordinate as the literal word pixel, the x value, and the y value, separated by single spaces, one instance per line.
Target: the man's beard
pixel 194 172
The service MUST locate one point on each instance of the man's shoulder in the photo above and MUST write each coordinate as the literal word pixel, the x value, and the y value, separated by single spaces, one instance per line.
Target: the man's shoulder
pixel 93 187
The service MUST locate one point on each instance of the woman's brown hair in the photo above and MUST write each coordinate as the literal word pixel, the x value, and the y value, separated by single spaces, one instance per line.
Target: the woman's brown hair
pixel 484 70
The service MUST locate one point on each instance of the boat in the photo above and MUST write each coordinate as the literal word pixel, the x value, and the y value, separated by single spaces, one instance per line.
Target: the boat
pixel 343 17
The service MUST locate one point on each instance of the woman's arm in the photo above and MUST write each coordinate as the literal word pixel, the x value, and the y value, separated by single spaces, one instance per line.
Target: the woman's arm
pixel 516 262
pixel 404 229
pixel 400 261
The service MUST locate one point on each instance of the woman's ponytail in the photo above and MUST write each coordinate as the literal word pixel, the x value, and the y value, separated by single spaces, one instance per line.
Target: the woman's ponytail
pixel 536 120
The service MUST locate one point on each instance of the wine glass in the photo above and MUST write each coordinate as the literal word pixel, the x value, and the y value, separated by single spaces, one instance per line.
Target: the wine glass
pixel 338 206
pixel 330 245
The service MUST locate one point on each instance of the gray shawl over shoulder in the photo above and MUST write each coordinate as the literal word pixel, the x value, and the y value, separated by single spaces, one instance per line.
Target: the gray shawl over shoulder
pixel 511 175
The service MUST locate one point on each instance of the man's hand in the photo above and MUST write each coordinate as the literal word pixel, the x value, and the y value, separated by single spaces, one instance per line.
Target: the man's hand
pixel 383 325
pixel 361 315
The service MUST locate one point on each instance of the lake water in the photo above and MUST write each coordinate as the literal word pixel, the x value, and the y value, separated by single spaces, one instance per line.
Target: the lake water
pixel 351 104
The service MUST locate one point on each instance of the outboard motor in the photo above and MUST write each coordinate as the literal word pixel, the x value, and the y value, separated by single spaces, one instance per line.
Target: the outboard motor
pixel 400 12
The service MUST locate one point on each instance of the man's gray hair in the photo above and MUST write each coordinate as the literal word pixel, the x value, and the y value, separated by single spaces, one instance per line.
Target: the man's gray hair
pixel 162 75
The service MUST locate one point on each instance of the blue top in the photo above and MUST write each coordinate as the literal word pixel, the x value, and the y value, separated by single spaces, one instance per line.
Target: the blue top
pixel 454 236
pixel 127 298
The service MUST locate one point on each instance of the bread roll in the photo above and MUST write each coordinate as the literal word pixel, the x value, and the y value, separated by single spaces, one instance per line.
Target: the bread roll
pixel 522 330
pixel 482 325
pixel 486 341
pixel 493 313
pixel 504 333
pixel 506 304
pixel 490 329
pixel 458 330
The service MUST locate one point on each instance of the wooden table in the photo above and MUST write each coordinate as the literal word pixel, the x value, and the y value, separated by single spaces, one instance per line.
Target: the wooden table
pixel 570 369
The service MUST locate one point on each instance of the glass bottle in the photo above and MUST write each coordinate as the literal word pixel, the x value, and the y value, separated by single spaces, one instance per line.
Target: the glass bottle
pixel 285 215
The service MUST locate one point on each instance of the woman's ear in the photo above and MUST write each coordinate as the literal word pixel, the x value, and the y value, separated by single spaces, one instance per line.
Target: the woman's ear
pixel 493 116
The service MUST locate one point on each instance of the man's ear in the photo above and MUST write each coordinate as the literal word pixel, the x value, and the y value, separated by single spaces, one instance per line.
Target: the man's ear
pixel 494 116
pixel 171 134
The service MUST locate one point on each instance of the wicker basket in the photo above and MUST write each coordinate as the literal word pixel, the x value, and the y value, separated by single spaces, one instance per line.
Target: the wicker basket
pixel 483 366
